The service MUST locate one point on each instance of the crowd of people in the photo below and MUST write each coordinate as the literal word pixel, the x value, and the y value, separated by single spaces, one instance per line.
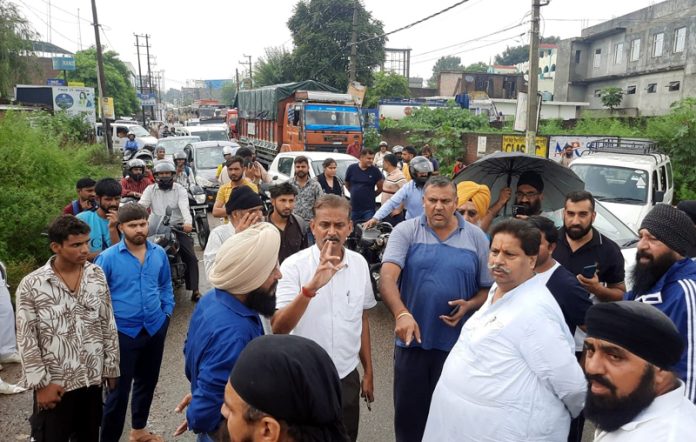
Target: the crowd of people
pixel 506 328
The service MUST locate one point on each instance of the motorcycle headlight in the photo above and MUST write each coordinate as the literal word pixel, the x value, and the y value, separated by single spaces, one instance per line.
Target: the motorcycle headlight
pixel 204 182
pixel 200 198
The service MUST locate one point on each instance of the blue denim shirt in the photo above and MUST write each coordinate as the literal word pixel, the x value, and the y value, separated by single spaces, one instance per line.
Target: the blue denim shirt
pixel 412 197
pixel 141 294
pixel 220 328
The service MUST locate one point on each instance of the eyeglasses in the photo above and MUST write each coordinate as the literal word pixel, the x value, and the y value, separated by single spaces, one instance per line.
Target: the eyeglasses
pixel 528 195
pixel 471 213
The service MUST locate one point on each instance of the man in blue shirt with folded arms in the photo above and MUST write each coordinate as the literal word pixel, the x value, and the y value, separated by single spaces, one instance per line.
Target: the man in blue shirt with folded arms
pixel 139 279
pixel 434 277
pixel 244 276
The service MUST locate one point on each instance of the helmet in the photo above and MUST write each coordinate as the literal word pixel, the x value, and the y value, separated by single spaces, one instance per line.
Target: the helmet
pixel 130 133
pixel 227 150
pixel 180 156
pixel 164 183
pixel 136 162
pixel 164 166
pixel 398 149
pixel 418 165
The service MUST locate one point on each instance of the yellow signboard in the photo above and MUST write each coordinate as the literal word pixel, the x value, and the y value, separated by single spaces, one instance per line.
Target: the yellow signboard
pixel 76 83
pixel 107 108
pixel 517 143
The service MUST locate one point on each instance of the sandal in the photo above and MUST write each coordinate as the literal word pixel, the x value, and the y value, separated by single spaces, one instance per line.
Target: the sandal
pixel 195 296
pixel 145 437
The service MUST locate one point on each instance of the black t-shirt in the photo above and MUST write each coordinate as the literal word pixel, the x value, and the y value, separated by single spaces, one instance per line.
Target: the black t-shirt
pixel 362 186
pixel 600 250
pixel 337 188
pixel 573 299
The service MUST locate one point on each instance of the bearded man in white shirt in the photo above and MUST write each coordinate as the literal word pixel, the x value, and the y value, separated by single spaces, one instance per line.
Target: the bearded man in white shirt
pixel 633 394
pixel 512 375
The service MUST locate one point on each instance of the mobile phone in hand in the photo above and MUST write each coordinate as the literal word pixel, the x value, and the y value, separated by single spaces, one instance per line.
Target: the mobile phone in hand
pixel 454 310
pixel 589 271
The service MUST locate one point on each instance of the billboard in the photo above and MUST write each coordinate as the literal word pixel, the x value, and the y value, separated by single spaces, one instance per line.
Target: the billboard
pixel 75 101
pixel 147 99
pixel 63 63
pixel 517 143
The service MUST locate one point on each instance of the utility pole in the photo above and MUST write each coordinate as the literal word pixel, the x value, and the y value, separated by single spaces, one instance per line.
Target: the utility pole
pixel 533 85
pixel 353 66
pixel 100 79
pixel 79 28
pixel 251 75
pixel 236 75
pixel 149 73
pixel 140 76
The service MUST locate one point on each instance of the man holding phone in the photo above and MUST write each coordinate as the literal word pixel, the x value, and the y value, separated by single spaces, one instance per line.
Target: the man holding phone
pixel 595 259
pixel 103 222
pixel 434 277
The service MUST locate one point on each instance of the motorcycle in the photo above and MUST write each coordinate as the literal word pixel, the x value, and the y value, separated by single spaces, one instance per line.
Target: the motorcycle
pixel 162 234
pixel 370 244
pixel 142 154
pixel 199 213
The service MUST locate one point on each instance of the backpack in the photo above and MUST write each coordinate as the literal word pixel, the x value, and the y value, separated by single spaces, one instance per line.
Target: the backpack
pixel 302 223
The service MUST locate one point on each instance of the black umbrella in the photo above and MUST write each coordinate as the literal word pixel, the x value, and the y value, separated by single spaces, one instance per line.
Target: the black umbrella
pixel 502 169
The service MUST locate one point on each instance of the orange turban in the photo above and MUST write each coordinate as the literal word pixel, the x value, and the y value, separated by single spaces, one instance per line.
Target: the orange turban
pixel 479 194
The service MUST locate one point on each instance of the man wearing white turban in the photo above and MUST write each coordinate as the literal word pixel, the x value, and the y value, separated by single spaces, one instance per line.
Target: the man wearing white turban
pixel 244 277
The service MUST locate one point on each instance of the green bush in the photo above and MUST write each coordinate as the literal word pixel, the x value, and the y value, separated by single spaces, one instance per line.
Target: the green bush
pixel 41 169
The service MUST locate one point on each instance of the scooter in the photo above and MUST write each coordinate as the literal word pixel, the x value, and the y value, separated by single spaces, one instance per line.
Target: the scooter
pixel 162 234
pixel 370 244
pixel 199 213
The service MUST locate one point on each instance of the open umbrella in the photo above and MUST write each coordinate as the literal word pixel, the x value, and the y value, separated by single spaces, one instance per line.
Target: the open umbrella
pixel 502 169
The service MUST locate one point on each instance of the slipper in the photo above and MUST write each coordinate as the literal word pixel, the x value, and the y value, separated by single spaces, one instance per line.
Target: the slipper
pixel 195 296
pixel 146 437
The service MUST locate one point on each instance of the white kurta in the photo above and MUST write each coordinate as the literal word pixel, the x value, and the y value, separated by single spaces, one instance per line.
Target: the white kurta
pixel 670 418
pixel 511 376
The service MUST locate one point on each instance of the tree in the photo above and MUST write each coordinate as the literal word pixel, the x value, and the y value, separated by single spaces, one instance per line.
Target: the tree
pixel 321 32
pixel 116 76
pixel 446 63
pixel 276 67
pixel 386 85
pixel 477 67
pixel 519 54
pixel 16 58
pixel 611 97
pixel 229 93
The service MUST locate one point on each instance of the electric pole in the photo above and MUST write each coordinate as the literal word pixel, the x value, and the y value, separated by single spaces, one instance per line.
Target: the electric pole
pixel 140 78
pixel 101 84
pixel 251 78
pixel 236 74
pixel 149 73
pixel 353 66
pixel 533 85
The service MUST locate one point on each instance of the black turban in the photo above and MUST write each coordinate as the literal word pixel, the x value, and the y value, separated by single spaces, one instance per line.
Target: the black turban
pixel 531 179
pixel 293 380
pixel 639 328
pixel 242 198
pixel 672 227
pixel 688 207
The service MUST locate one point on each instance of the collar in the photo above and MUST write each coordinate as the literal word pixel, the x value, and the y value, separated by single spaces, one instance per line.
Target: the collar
pixel 662 406
pixel 233 304
pixel 528 284
pixel 53 277
pixel 461 222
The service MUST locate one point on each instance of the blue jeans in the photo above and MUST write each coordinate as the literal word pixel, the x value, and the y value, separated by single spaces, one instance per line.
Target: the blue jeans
pixel 362 215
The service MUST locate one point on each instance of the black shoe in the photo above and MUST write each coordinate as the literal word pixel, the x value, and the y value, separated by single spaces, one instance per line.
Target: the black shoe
pixel 195 296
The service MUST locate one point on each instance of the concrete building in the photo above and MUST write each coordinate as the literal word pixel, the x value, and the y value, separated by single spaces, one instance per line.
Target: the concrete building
pixel 548 54
pixel 649 53
pixel 451 83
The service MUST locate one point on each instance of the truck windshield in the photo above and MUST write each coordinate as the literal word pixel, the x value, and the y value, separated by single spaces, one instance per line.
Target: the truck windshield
pixel 209 157
pixel 614 184
pixel 328 117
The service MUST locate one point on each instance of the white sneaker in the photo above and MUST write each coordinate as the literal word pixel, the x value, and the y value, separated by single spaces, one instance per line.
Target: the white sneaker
pixel 12 358
pixel 6 388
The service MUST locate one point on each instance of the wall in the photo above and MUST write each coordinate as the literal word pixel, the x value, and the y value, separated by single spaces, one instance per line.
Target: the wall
pixel 550 110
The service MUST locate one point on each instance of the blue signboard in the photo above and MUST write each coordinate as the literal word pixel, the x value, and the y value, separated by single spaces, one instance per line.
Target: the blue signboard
pixel 56 82
pixel 216 84
pixel 63 63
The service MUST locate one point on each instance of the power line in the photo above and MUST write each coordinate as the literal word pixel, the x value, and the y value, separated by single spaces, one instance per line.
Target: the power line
pixel 66 11
pixel 469 41
pixel 47 24
pixel 472 49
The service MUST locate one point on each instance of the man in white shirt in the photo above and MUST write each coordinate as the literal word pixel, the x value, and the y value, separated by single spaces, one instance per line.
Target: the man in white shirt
pixel 323 295
pixel 379 156
pixel 633 393
pixel 512 375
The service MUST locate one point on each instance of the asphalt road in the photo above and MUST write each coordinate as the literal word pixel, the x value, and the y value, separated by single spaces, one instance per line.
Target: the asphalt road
pixel 376 425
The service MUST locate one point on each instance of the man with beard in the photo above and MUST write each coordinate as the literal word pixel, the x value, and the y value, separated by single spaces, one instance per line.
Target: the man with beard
pixel 85 198
pixel 164 194
pixel 244 278
pixel 137 272
pixel 136 182
pixel 308 191
pixel 410 196
pixel 433 278
pixel 244 208
pixel 292 228
pixel 235 172
pixel 582 249
pixel 665 277
pixel 324 296
pixel 567 156
pixel 407 154
pixel 512 375
pixel 364 181
pixel 103 222
pixel 529 197
pixel 632 392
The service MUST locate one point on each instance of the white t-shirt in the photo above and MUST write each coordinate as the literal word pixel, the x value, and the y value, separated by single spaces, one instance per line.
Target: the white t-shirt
pixel 217 237
pixel 333 318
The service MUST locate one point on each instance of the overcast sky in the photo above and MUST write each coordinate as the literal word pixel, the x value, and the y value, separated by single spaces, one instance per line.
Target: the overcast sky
pixel 206 39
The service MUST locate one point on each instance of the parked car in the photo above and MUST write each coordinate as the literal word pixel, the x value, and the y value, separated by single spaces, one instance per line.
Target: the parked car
pixel 628 176
pixel 174 145
pixel 204 159
pixel 119 132
pixel 211 132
